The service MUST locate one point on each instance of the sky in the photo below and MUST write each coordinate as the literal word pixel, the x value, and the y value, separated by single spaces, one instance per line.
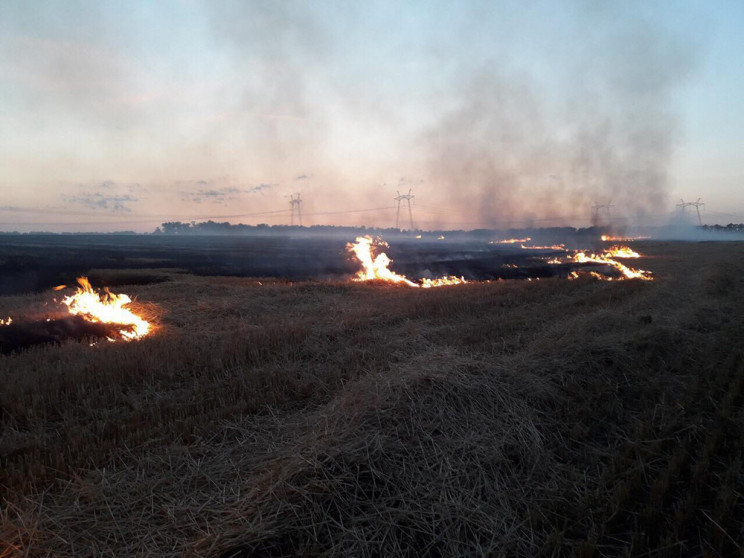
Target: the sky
pixel 123 115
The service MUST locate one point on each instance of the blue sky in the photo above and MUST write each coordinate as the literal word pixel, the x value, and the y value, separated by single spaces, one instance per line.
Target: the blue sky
pixel 120 115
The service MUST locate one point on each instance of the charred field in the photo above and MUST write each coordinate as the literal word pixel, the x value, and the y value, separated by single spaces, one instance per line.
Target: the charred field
pixel 308 415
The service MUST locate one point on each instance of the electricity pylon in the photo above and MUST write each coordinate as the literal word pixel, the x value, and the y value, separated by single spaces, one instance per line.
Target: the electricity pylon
pixel 696 204
pixel 400 198
pixel 597 208
pixel 296 204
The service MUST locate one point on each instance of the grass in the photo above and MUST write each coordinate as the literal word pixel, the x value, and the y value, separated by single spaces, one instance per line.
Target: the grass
pixel 268 418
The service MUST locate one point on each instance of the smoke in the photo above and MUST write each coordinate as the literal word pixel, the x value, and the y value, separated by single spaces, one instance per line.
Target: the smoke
pixel 603 132
pixel 505 114
pixel 274 50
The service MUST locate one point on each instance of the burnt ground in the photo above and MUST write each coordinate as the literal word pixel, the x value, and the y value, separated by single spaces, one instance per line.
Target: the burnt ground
pixel 22 335
pixel 32 263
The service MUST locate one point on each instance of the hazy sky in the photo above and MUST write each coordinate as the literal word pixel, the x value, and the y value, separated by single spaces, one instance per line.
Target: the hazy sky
pixel 120 115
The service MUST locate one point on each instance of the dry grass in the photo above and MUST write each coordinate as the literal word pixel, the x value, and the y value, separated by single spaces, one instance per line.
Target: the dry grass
pixel 512 418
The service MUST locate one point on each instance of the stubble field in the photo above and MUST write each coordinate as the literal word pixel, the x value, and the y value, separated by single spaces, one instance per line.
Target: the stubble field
pixel 274 418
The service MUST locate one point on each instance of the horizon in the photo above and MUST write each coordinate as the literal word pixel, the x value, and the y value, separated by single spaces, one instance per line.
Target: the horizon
pixel 123 117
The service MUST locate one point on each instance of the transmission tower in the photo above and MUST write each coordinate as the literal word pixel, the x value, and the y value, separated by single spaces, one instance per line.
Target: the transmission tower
pixel 598 208
pixel 407 198
pixel 696 204
pixel 296 204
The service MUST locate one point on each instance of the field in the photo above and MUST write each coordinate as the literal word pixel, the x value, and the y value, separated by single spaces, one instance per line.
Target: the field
pixel 272 417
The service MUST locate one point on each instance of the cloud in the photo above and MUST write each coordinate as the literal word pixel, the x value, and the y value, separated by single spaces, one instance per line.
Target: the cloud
pixel 98 200
pixel 107 195
pixel 207 192
pixel 260 187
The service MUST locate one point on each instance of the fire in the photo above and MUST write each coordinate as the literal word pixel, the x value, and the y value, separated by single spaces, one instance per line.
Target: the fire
pixel 608 238
pixel 59 287
pixel 606 259
pixel 553 247
pixel 6 321
pixel 512 240
pixel 376 267
pixel 108 309
pixel 622 252
pixel 442 281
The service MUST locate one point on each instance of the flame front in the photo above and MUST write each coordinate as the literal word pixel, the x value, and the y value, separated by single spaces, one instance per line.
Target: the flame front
pixel 606 259
pixel 552 247
pixel 6 321
pixel 107 309
pixel 622 252
pixel 512 240
pixel 376 267
pixel 609 238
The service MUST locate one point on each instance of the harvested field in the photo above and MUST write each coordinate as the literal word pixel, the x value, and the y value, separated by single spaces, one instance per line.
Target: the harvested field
pixel 265 417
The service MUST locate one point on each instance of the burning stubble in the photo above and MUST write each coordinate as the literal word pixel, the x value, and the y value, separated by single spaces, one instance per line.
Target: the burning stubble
pixel 375 264
pixel 92 315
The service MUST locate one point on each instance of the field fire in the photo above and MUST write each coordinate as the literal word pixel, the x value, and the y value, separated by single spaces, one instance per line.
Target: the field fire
pixel 92 316
pixel 371 279
pixel 489 372
pixel 375 266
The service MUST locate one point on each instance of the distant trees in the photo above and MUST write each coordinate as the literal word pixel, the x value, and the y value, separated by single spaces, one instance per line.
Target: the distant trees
pixel 731 227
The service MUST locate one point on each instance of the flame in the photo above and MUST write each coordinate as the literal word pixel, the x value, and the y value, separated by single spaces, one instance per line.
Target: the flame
pixel 376 267
pixel 440 237
pixel 606 259
pixel 553 247
pixel 108 309
pixel 622 252
pixel 6 321
pixel 512 240
pixel 59 287
pixel 442 281
pixel 608 238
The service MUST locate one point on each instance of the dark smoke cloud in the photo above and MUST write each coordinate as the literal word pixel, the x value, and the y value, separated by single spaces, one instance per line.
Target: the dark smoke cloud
pixel 504 153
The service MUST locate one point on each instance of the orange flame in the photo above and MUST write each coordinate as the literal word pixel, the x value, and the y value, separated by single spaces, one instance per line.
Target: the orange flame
pixel 622 252
pixel 7 321
pixel 553 247
pixel 608 238
pixel 376 267
pixel 59 287
pixel 512 240
pixel 442 281
pixel 107 309
pixel 606 259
